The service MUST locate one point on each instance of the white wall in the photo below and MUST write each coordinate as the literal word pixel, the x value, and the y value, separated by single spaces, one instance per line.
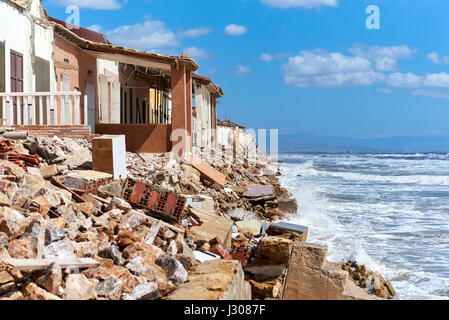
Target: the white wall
pixel 17 27
pixel 203 120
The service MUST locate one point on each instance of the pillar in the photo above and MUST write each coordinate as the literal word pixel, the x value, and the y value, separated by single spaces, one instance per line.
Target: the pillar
pixel 181 86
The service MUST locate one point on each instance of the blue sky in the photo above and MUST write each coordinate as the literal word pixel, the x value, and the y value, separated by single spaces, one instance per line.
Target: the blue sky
pixel 300 65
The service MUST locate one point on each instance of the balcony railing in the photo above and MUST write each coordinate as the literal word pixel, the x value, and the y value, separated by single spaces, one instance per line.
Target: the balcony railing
pixel 42 108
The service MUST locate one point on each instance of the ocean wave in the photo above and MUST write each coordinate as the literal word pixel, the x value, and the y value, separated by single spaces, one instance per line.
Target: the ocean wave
pixel 308 169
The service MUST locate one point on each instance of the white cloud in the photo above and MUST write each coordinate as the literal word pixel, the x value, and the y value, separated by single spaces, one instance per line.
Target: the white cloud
pixel 320 68
pixel 235 30
pixel 242 71
pixel 92 4
pixel 300 3
pixel 384 90
pixel 435 58
pixel 411 80
pixel 197 53
pixel 430 93
pixel 95 27
pixel 196 32
pixel 385 58
pixel 150 34
pixel 266 57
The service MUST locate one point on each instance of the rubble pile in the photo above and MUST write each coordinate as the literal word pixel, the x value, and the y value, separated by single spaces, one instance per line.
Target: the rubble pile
pixel 372 281
pixel 68 232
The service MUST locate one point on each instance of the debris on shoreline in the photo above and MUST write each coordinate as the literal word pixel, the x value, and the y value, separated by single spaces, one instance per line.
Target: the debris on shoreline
pixel 167 231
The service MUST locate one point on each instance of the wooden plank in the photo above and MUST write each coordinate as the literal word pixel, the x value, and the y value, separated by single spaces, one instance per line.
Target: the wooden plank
pixel 42 264
pixel 175 229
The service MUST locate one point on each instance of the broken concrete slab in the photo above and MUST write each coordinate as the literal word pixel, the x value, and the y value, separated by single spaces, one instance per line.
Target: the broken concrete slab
pixel 239 214
pixel 251 226
pixel 214 280
pixel 213 226
pixel 280 227
pixel 259 191
pixel 42 264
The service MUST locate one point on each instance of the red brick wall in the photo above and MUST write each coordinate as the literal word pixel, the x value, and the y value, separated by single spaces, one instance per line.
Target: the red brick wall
pixel 80 131
pixel 144 138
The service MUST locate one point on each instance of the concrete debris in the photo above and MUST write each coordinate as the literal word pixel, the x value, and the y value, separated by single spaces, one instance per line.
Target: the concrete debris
pixel 166 230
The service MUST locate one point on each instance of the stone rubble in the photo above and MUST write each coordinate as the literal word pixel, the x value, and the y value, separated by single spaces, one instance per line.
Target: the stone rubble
pixel 219 249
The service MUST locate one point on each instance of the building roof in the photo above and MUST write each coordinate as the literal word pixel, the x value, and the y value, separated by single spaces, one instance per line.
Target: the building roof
pixel 109 48
pixel 208 81
pixel 229 123
pixel 83 33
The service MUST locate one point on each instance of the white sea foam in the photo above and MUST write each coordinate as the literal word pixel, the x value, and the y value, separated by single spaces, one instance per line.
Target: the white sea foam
pixel 376 219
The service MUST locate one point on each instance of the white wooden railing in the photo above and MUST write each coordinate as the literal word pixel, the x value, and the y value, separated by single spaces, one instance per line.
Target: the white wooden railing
pixel 61 108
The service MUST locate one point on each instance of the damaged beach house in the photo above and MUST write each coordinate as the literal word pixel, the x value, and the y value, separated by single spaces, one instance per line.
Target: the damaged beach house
pixel 64 80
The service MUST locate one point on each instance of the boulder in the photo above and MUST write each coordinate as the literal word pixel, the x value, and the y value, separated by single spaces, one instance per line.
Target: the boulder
pixel 271 289
pixel 12 222
pixel 78 287
pixel 110 287
pixel 33 292
pixel 289 206
pixel 113 253
pixel 146 291
pixel 173 268
pixel 251 226
pixel 21 249
pixel 275 249
pixel 52 279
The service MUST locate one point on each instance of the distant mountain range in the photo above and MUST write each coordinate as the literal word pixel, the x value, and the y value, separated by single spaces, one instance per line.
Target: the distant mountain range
pixel 302 142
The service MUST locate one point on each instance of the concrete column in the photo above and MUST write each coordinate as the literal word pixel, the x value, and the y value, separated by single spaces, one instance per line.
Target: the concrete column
pixel 189 101
pixel 181 86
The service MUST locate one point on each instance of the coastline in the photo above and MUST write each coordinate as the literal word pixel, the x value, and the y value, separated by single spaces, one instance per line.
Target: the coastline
pixel 226 232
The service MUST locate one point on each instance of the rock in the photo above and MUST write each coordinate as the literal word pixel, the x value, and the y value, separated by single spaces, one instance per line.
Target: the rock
pixel 53 234
pixel 126 238
pixel 146 291
pixel 113 189
pixel 78 287
pixel 377 284
pixel 12 222
pixel 6 277
pixel 21 249
pixel 3 239
pixel 113 253
pixel 41 205
pixel 87 208
pixel 59 249
pixel 288 206
pixel 311 277
pixel 133 219
pixel 173 268
pixel 147 251
pixel 118 203
pixel 214 280
pixel 239 214
pixel 251 226
pixel 263 270
pixel 390 289
pixel 52 279
pixel 110 287
pixel 33 292
pixel 271 289
pixel 49 171
pixel 275 249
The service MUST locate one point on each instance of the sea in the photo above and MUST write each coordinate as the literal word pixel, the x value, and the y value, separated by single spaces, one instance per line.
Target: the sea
pixel 387 211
